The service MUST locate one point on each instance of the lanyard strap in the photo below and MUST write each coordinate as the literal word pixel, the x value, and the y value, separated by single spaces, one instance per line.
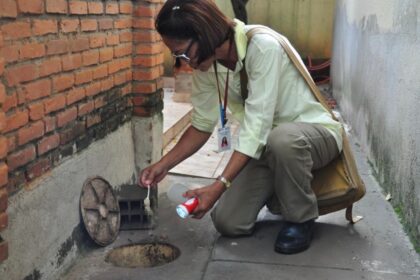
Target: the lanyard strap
pixel 222 107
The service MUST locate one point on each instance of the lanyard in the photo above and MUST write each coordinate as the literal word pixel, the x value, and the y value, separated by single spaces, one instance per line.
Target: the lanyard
pixel 222 107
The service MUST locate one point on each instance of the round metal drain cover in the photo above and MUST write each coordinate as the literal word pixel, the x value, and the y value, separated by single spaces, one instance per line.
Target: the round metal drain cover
pixel 100 211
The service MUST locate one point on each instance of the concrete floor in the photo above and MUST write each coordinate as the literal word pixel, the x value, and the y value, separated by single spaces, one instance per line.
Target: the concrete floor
pixel 374 248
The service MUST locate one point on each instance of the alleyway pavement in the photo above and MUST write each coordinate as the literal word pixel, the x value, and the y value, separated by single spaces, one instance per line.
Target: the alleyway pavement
pixel 376 247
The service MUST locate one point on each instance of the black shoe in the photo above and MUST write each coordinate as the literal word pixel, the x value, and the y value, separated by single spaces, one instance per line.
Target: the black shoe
pixel 294 237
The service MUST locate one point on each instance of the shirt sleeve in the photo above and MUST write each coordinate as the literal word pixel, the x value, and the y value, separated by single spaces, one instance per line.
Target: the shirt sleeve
pixel 204 101
pixel 265 62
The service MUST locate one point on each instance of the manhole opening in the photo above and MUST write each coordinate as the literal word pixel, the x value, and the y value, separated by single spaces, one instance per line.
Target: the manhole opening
pixel 143 255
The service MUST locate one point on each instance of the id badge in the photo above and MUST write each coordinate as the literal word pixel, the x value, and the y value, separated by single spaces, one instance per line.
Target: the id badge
pixel 224 138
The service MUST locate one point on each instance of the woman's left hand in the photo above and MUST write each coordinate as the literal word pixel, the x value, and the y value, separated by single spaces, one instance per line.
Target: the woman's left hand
pixel 207 197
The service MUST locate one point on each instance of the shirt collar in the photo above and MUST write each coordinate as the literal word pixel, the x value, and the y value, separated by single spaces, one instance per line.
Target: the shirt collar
pixel 241 42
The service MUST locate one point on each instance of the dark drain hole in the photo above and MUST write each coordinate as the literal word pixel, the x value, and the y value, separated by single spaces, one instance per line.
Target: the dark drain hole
pixel 143 255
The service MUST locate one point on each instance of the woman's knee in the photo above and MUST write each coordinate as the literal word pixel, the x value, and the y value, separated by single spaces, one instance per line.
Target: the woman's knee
pixel 226 226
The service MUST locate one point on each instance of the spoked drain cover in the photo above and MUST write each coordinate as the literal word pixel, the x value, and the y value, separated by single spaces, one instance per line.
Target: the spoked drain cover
pixel 100 211
pixel 143 255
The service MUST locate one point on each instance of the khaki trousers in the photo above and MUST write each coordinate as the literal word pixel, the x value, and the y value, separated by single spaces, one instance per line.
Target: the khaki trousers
pixel 280 179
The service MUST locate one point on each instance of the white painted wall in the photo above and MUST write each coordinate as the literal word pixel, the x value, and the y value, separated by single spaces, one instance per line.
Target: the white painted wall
pixel 376 80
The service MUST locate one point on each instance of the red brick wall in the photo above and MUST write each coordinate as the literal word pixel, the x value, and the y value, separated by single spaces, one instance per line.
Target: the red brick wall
pixel 70 73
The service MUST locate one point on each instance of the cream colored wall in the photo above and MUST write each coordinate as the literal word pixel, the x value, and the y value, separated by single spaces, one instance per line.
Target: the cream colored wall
pixel 307 23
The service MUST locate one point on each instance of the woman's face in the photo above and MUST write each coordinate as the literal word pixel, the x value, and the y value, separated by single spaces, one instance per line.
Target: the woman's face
pixel 187 52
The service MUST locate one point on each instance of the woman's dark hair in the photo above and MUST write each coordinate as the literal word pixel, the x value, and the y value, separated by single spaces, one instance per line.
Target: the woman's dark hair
pixel 199 20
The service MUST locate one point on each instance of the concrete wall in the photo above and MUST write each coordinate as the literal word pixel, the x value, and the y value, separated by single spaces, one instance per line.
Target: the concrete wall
pixel 375 73
pixel 44 221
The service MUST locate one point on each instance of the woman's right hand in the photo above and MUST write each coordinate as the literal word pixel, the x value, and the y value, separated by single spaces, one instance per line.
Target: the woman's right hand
pixel 152 175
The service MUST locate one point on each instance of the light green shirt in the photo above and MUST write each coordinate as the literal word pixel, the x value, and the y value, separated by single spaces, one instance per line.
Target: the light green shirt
pixel 276 94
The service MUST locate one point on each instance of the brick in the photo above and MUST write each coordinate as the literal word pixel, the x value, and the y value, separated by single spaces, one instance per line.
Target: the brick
pixel 89 24
pixel 123 23
pixel 75 95
pixel 78 7
pixel 2 65
pixel 83 76
pixel 31 132
pixel 114 66
pixel 62 82
pixel 96 41
pixel 126 62
pixel 86 108
pixel 8 8
pixel 99 102
pixel 31 6
pixel 106 54
pixel 56 6
pixel 4 147
pixel 21 73
pixel 144 87
pixel 145 11
pixel 10 102
pixel 4 221
pixel 16 182
pixel 146 74
pixel 72 61
pixel 3 199
pixel 93 89
pixel 112 8
pixel 3 174
pixel 80 44
pixel 123 50
pixel 66 117
pixel 126 37
pixel 126 7
pixel 126 90
pixel 92 120
pixel 38 168
pixel 100 71
pixel 36 111
pixel 146 36
pixel 12 143
pixel 57 47
pixel 113 39
pixel 21 157
pixel 153 48
pixel 32 50
pixel 50 66
pixel 37 89
pixel 147 60
pixel 120 78
pixel 10 53
pixel 90 57
pixel 42 27
pixel 16 30
pixel 4 250
pixel 69 25
pixel 54 103
pixel 107 84
pixel 69 134
pixel 105 24
pixel 50 124
pixel 48 143
pixel 95 8
pixel 144 23
pixel 2 93
pixel 16 120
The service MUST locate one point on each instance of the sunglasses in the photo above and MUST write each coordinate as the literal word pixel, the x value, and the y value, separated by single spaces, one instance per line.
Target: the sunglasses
pixel 184 56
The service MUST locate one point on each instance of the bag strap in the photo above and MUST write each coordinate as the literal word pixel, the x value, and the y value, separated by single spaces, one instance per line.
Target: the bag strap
pixel 293 57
